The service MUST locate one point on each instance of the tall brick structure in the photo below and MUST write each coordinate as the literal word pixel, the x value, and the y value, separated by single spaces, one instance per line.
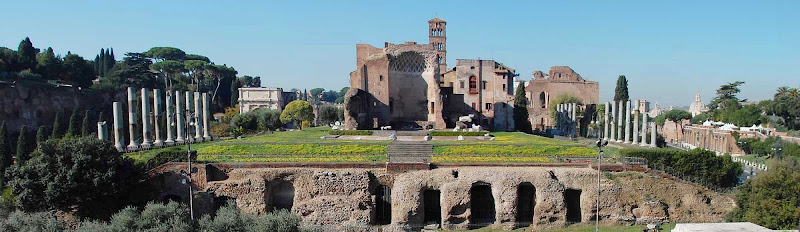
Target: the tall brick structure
pixel 438 38
pixel 561 80
pixel 480 87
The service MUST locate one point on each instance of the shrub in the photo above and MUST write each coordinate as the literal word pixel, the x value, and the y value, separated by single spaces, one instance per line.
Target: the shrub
pixel 457 133
pixel 350 132
pixel 704 166
pixel 231 111
pixel 305 124
pixel 770 199
pixel 246 121
pixel 230 218
pixel 268 119
pixel 172 154
pixel 328 114
pixel 21 221
pixel 154 217
pixel 220 129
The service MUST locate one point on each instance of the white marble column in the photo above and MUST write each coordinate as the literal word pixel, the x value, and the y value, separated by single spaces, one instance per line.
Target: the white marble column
pixel 613 120
pixel 119 142
pixel 558 116
pixel 102 131
pixel 157 105
pixel 635 131
pixel 605 121
pixel 198 111
pixel 189 100
pixel 652 134
pixel 170 137
pixel 146 142
pixel 574 111
pixel 180 118
pixel 132 119
pixel 620 118
pixel 644 129
pixel 627 122
pixel 206 115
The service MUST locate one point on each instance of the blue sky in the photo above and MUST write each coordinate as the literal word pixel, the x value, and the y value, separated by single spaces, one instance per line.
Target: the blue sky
pixel 669 50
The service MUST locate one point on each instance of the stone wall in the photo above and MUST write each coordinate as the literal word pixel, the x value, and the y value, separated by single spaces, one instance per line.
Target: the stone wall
pixel 562 80
pixel 348 197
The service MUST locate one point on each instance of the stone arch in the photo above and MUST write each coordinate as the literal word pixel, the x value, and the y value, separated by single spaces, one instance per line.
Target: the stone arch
pixel 482 207
pixel 572 201
pixel 473 84
pixel 411 62
pixel 383 205
pixel 280 195
pixel 543 100
pixel 431 206
pixel 526 202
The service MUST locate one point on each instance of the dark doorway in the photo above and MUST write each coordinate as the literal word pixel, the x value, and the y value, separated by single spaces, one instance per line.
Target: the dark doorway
pixel 172 197
pixel 526 202
pixel 383 205
pixel 572 198
pixel 283 196
pixel 433 210
pixel 221 201
pixel 481 205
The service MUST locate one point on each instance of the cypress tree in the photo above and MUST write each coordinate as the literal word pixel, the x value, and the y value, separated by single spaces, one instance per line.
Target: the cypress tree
pixel 86 126
pixel 4 154
pixel 57 127
pixel 111 61
pixel 97 65
pixel 108 62
pixel 41 135
pixel 102 65
pixel 22 145
pixel 72 129
pixel 521 110
pixel 621 92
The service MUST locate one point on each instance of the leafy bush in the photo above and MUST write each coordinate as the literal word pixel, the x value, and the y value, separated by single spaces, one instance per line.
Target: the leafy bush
pixel 704 166
pixel 457 133
pixel 268 119
pixel 172 154
pixel 230 218
pixel 154 217
pixel 350 132
pixel 305 124
pixel 248 121
pixel 220 129
pixel 770 199
pixel 21 221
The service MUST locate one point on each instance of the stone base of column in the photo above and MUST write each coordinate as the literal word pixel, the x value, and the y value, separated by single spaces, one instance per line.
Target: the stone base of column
pixel 198 139
pixel 133 146
pixel 169 141
pixel 652 145
pixel 146 143
pixel 158 143
pixel 207 138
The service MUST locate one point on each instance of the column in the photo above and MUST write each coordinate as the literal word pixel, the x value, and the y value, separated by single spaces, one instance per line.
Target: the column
pixel 157 116
pixel 627 121
pixel 613 119
pixel 652 134
pixel 620 118
pixel 146 142
pixel 198 111
pixel 635 131
pixel 102 132
pixel 189 100
pixel 574 124
pixel 605 121
pixel 180 118
pixel 132 119
pixel 206 120
pixel 170 137
pixel 644 128
pixel 118 125
pixel 558 116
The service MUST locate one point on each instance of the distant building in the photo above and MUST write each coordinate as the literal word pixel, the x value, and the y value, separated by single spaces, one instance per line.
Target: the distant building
pixel 269 98
pixel 484 88
pixel 697 107
pixel 560 80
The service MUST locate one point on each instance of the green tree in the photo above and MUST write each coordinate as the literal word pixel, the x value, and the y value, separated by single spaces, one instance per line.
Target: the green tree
pixel 562 98
pixel 22 145
pixel 330 96
pixel 21 221
pixel 48 65
pixel 134 70
pixel 41 135
pixel 340 98
pixel 770 199
pixel 677 116
pixel 197 57
pixel 230 218
pixel 72 129
pixel 194 69
pixel 26 54
pixel 328 114
pixel 77 71
pixel 169 70
pixel 57 126
pixel 154 217
pixel 521 110
pixel 621 92
pixel 86 127
pixel 296 112
pixel 83 174
pixel 268 119
pixel 234 92
pixel 725 93
pixel 5 153
pixel 165 53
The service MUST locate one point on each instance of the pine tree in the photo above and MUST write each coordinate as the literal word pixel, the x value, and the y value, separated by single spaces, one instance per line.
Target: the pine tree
pixel 72 129
pixel 521 120
pixel 4 154
pixel 22 146
pixel 57 127
pixel 86 126
pixel 41 136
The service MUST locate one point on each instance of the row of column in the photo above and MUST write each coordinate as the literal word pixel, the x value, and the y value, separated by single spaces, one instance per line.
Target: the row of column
pixel 566 116
pixel 194 108
pixel 621 128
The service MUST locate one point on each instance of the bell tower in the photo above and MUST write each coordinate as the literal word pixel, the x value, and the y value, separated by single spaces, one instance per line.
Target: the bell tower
pixel 438 38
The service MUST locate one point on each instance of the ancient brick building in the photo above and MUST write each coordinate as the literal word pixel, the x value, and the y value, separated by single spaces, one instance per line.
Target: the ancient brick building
pixel 561 80
pixel 480 87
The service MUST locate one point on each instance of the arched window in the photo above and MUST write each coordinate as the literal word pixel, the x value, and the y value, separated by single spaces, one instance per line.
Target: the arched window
pixel 473 84
pixel 542 100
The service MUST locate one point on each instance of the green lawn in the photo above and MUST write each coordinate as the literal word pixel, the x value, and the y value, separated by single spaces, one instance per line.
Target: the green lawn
pixel 307 146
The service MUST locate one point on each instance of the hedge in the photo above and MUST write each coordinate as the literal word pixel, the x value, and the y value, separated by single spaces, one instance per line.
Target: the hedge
pixel 699 165
pixel 350 132
pixel 457 133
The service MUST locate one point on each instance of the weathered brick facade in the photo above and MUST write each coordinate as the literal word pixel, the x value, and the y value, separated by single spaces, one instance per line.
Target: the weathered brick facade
pixel 561 80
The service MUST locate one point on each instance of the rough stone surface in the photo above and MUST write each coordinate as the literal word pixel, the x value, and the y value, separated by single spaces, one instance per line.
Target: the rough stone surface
pixel 561 80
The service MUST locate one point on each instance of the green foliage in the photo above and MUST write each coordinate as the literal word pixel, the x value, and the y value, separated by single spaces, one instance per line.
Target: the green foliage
pixel 5 154
pixel 660 119
pixel 165 53
pixel 30 222
pixel 172 154
pixel 57 129
pixel 350 132
pixel 305 124
pixel 700 118
pixel 328 114
pixel 268 119
pixel 73 129
pixel 77 71
pixel 563 98
pixel 768 147
pixel 26 55
pixel 340 97
pixel 134 70
pixel 726 94
pixel 677 115
pixel 786 105
pixel 48 65
pixel 154 217
pixel 770 199
pixel 86 125
pixel 621 91
pixel 521 121
pixel 22 145
pixel 84 174
pixel 296 112
pixel 457 133
pixel 702 165
pixel 230 218
pixel 41 135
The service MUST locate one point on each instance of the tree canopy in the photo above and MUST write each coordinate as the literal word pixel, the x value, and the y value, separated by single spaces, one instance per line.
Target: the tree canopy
pixel 521 121
pixel 770 199
pixel 621 91
pixel 296 112
pixel 726 95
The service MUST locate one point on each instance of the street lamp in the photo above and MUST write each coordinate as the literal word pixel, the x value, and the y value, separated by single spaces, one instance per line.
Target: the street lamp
pixel 600 144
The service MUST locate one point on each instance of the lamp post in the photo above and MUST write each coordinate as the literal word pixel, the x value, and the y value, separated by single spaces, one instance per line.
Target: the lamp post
pixel 601 142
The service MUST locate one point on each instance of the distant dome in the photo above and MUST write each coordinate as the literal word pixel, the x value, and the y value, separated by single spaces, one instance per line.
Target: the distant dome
pixel 697 107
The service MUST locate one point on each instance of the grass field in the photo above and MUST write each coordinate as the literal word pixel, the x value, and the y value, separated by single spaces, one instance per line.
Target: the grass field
pixel 307 146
